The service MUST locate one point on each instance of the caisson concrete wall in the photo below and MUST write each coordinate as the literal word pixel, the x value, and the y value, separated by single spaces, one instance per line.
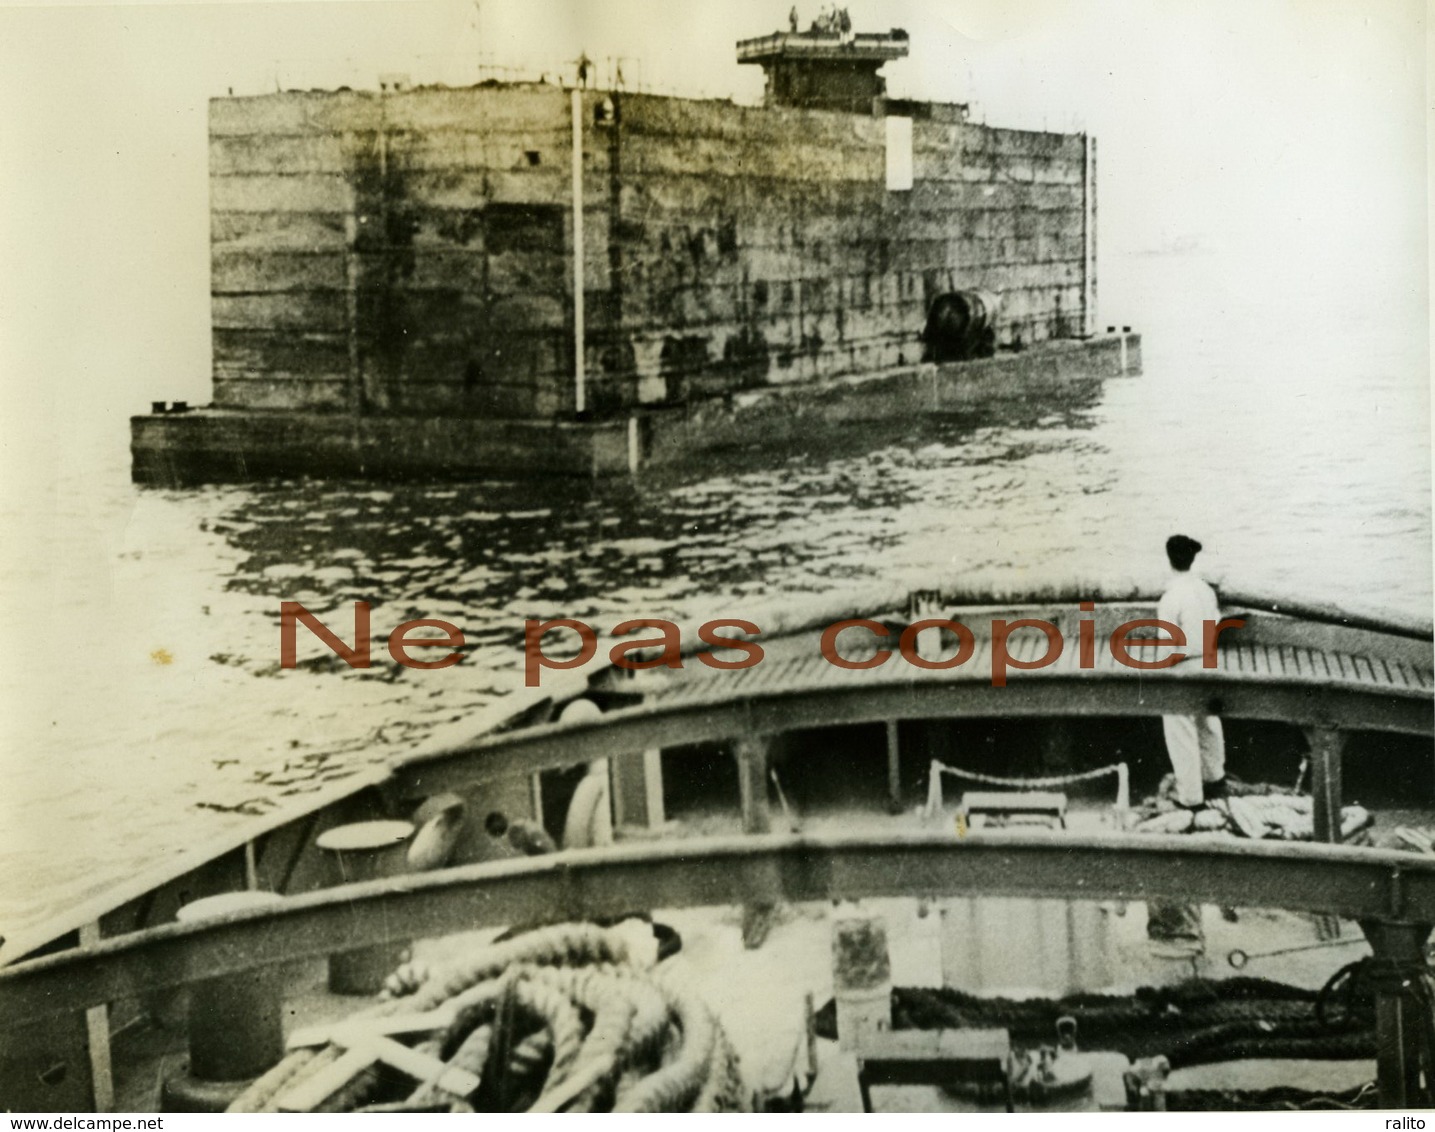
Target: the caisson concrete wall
pixel 411 253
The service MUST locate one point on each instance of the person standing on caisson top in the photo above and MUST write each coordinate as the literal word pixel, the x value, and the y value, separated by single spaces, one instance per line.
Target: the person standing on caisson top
pixel 1196 744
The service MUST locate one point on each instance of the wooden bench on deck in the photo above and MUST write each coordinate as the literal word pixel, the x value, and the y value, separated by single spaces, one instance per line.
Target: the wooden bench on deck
pixel 1005 805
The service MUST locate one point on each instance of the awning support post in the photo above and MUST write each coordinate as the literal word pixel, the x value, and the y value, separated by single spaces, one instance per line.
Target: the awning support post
pixel 751 752
pixel 97 1025
pixel 1326 747
pixel 1403 1020
pixel 894 769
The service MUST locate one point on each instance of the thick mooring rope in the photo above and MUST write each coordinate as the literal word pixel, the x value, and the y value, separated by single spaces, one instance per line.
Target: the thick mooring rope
pixel 1279 1099
pixel 557 1019
pixel 1194 1023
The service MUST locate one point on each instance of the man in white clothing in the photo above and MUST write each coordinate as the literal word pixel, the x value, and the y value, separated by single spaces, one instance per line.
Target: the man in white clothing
pixel 1196 744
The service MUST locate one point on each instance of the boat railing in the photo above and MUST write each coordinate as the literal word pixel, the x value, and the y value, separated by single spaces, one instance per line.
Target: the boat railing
pixel 1362 884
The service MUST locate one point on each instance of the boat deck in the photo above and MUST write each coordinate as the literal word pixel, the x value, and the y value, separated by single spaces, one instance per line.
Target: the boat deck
pixel 1328 675
pixel 759 995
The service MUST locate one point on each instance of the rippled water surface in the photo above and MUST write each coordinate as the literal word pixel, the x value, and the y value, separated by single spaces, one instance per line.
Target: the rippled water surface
pixel 152 711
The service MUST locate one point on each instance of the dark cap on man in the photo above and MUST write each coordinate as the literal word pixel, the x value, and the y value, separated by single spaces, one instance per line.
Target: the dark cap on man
pixel 1182 551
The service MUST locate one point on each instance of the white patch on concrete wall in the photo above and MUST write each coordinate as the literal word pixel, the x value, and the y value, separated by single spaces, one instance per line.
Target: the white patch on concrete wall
pixel 648 365
pixel 899 153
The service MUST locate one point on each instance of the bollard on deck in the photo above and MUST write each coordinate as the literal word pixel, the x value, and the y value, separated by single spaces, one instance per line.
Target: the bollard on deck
pixel 236 1029
pixel 358 852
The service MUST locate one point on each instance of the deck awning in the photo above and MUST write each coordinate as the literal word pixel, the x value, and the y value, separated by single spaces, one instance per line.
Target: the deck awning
pixel 1276 668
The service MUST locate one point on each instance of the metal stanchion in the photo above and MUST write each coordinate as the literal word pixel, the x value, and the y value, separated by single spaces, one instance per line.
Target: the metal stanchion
pixel 366 851
pixel 236 1029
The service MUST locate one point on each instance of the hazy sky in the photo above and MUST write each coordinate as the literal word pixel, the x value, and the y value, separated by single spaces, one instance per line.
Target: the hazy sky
pixel 1290 132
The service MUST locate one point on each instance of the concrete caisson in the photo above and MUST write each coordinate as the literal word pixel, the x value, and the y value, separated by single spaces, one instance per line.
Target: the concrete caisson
pixel 409 254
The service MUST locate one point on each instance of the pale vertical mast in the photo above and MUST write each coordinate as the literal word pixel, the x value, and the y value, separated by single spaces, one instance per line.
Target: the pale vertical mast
pixel 1088 231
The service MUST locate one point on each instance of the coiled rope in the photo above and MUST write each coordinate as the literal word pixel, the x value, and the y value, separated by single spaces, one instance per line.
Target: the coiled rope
pixel 557 1019
pixel 1193 1023
pixel 1280 1099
